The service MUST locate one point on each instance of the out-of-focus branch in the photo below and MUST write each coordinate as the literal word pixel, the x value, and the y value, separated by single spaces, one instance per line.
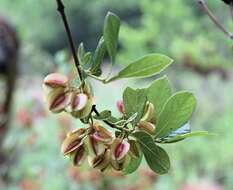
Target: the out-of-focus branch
pixel 9 44
pixel 215 19
pixel 191 65
pixel 231 9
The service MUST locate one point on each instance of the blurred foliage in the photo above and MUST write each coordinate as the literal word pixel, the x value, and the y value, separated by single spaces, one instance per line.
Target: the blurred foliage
pixel 181 30
pixel 39 23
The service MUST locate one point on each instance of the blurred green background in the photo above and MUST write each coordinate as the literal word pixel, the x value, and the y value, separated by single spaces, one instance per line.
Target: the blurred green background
pixel 203 64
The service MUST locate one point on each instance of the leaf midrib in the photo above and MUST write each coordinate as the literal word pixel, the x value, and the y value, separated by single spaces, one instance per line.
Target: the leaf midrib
pixel 143 70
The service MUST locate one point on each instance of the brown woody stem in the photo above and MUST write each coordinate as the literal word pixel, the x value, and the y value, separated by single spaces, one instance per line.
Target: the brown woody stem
pixel 214 18
pixel 61 10
pixel 231 9
pixel 107 122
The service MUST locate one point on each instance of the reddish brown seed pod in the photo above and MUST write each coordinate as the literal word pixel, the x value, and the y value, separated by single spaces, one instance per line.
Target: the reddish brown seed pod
pixel 55 80
pixel 73 141
pixel 81 105
pixel 57 100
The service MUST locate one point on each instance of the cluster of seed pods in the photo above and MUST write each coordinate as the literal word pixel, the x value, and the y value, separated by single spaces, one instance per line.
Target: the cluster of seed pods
pixel 95 143
pixel 99 147
pixel 61 96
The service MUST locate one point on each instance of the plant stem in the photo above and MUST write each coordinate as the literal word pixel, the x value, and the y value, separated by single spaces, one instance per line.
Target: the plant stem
pixel 96 78
pixel 231 9
pixel 61 10
pixel 214 19
pixel 105 121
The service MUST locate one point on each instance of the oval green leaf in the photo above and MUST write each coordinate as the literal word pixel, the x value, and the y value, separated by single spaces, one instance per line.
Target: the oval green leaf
pixel 98 58
pixel 133 165
pixel 185 136
pixel 158 93
pixel 157 158
pixel 111 32
pixel 146 66
pixel 134 102
pixel 176 112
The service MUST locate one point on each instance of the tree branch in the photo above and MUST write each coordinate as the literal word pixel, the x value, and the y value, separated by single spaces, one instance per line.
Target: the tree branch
pixel 231 9
pixel 214 18
pixel 61 10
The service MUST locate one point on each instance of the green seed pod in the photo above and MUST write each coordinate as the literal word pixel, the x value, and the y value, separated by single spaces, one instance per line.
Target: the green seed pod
pixel 149 113
pixel 147 126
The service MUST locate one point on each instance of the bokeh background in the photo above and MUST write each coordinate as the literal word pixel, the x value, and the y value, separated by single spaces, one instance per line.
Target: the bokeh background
pixel 178 28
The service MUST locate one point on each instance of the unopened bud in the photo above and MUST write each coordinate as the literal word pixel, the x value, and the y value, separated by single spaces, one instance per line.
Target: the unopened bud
pixel 120 106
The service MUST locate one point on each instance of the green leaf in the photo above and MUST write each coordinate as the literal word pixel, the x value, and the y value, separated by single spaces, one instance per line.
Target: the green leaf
pixel 158 93
pixel 87 58
pixel 81 52
pixel 131 118
pixel 146 66
pixel 111 32
pixel 156 157
pixel 104 115
pixel 176 112
pixel 134 102
pixel 133 165
pixel 187 135
pixel 98 58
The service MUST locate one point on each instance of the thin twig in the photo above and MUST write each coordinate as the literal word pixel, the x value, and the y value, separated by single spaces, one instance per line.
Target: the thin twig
pixel 61 10
pixel 231 9
pixel 105 121
pixel 214 19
